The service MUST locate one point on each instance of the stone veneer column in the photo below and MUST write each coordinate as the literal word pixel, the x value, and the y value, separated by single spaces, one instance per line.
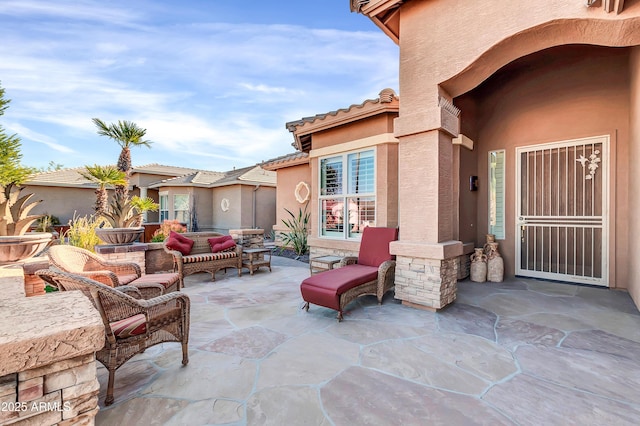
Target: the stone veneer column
pixel 427 255
pixel 248 238
pixel 47 355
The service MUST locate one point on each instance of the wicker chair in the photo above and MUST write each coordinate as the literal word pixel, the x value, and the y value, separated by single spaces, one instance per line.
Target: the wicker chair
pixel 371 273
pixel 75 260
pixel 131 325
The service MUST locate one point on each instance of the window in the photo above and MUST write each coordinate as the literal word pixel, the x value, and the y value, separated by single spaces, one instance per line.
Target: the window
pixel 496 194
pixel 164 207
pixel 347 194
pixel 181 208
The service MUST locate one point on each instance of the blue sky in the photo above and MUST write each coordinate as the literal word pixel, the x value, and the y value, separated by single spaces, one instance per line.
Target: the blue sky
pixel 212 81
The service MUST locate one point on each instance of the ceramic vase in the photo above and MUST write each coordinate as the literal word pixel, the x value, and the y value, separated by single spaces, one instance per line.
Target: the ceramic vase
pixel 478 266
pixel 491 238
pixel 495 264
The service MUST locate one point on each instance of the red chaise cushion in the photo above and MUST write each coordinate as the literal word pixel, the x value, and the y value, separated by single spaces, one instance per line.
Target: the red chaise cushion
pixel 325 288
pixel 374 246
pixel 180 243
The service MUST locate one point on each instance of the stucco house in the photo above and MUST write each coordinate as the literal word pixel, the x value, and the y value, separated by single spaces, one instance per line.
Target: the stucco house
pixel 345 170
pixel 236 199
pixel 538 107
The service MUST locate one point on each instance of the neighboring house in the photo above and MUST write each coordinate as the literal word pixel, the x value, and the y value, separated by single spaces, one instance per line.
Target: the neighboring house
pixel 293 188
pixel 540 102
pixel 183 194
pixel 349 160
pixel 237 199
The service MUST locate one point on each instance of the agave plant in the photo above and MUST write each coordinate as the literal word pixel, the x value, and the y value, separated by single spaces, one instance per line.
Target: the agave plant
pixel 14 208
pixel 14 217
pixel 125 212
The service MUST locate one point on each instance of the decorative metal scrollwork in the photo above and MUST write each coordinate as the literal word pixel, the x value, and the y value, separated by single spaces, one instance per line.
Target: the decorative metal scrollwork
pixel 591 163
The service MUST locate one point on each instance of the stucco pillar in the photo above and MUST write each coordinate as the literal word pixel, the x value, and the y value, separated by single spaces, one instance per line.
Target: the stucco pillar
pixel 427 255
pixel 634 171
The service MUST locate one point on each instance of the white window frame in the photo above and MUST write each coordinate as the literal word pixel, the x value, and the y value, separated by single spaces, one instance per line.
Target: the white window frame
pixel 345 196
pixel 163 213
pixel 175 211
pixel 496 195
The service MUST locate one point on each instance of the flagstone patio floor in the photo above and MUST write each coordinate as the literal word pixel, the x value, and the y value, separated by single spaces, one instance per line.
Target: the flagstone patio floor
pixel 522 352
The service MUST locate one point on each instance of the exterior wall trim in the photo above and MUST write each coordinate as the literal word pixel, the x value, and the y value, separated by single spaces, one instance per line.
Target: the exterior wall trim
pixel 354 145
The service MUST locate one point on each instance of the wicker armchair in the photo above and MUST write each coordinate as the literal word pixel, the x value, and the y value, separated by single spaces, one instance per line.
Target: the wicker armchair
pixel 75 260
pixel 131 325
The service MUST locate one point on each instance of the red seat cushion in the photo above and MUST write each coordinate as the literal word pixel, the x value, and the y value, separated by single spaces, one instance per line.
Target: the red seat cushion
pixel 128 327
pixel 180 243
pixel 126 279
pixel 325 288
pixel 167 279
pixel 374 245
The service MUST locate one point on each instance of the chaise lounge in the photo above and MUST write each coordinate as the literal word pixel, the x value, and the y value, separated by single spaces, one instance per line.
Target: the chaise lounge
pixel 371 273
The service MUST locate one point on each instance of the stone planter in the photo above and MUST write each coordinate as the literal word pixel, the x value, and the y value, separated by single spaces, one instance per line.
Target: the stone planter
pixel 118 236
pixel 21 247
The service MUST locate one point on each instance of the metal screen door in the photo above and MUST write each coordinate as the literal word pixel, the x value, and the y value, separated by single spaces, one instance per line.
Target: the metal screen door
pixel 561 211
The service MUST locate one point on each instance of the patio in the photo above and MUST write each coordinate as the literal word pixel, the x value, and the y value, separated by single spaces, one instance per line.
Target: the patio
pixel 520 352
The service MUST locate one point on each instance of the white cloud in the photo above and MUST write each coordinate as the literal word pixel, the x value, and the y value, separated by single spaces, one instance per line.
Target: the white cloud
pixel 204 90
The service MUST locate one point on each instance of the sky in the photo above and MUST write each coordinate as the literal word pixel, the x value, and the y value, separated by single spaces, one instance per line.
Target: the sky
pixel 212 81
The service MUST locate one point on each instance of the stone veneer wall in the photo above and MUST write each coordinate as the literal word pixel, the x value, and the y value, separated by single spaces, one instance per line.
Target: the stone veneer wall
pixel 429 283
pixel 47 355
pixel 62 393
pixel 124 253
pixel 156 259
pixel 248 238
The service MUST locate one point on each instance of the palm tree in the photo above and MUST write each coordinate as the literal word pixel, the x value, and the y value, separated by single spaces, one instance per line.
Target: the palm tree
pixel 126 134
pixel 103 176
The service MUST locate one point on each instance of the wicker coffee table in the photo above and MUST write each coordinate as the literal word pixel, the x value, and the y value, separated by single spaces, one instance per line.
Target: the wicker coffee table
pixel 256 258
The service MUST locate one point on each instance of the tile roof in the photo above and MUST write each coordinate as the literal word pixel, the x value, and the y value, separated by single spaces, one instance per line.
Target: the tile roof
pixel 62 177
pixel 385 96
pixel 303 128
pixel 245 175
pixel 292 159
pixel 160 169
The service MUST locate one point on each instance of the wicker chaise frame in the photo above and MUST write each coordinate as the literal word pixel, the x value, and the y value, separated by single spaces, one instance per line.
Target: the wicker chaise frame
pixel 377 287
pixel 167 319
pixel 201 246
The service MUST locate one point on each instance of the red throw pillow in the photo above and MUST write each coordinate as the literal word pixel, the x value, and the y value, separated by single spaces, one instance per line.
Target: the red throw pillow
pixel 218 240
pixel 224 246
pixel 180 243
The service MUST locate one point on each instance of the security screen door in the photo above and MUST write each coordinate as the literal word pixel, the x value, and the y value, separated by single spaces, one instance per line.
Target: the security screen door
pixel 562 211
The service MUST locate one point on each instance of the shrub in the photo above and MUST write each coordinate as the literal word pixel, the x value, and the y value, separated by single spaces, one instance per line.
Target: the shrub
pixel 165 229
pixel 82 232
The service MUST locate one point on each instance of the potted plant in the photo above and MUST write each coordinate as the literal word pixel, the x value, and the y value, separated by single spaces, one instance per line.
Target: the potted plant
pixel 124 214
pixel 124 219
pixel 15 242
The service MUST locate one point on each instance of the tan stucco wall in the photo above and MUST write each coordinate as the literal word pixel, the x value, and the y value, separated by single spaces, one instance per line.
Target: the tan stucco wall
pixel 203 198
pixel 266 209
pixel 560 94
pixel 231 218
pixel 469 40
pixel 634 176
pixel 370 126
pixel 62 202
pixel 288 178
